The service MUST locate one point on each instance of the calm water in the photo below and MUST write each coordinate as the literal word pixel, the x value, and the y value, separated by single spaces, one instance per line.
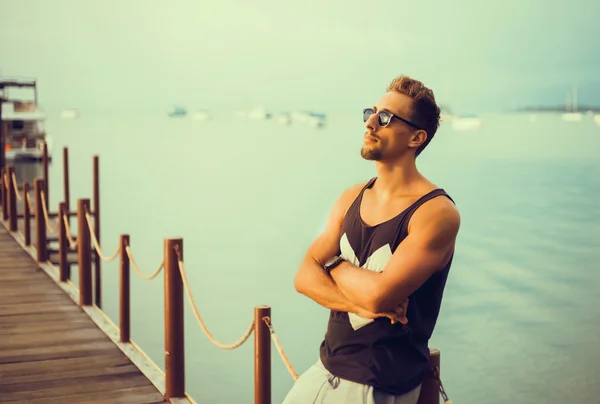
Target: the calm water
pixel 519 320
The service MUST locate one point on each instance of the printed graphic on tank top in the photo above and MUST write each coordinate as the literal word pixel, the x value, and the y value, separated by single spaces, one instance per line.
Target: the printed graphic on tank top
pixel 390 357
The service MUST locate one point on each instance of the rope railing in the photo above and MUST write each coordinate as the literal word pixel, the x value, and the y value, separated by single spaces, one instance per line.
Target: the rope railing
pixel 95 241
pixel 70 240
pixel 176 285
pixel 14 181
pixel 49 227
pixel 212 339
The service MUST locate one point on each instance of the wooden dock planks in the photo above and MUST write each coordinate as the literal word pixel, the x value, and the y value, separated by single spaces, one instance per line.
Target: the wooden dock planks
pixel 50 350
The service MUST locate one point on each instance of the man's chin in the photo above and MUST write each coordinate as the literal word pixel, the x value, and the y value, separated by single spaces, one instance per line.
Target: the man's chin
pixel 370 154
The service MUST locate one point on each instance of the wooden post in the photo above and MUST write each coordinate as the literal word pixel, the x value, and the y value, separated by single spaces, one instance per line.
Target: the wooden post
pixel 45 168
pixel 63 243
pixel 262 356
pixel 430 393
pixel 40 223
pixel 67 201
pixel 96 200
pixel 84 254
pixel 4 194
pixel 124 323
pixel 12 199
pixel 26 215
pixel 174 348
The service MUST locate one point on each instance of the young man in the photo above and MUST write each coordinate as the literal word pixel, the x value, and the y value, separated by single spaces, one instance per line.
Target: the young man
pixel 381 263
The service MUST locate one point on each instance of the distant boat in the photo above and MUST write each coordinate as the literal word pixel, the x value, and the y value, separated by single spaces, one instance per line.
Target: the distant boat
pixel 317 120
pixel 300 116
pixel 284 119
pixel 596 119
pixel 571 114
pixel 69 114
pixel 177 112
pixel 259 113
pixel 466 123
pixel 201 115
pixel 22 120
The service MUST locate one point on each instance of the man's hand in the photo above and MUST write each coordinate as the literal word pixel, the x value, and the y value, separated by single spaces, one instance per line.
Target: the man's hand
pixel 398 315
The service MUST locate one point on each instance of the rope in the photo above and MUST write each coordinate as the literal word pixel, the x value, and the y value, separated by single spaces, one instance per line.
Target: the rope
pixel 28 199
pixel 438 381
pixel 137 269
pixel 49 227
pixel 201 322
pixel 72 242
pixel 282 354
pixel 16 187
pixel 97 244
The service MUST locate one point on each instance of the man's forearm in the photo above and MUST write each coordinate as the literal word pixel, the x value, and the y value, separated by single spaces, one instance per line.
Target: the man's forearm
pixel 313 282
pixel 359 285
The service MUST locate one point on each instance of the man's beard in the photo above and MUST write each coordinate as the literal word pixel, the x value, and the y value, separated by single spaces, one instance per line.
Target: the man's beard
pixel 371 153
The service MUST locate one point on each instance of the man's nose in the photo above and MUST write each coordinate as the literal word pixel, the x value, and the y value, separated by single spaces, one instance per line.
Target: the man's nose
pixel 372 122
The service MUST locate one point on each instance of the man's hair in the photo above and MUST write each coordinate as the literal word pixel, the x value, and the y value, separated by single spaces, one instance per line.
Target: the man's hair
pixel 425 112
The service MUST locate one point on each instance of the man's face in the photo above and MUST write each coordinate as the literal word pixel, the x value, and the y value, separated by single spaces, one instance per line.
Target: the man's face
pixel 384 143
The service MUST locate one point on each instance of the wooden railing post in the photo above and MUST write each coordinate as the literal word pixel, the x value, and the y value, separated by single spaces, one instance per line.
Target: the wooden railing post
pixel 26 215
pixel 262 356
pixel 12 199
pixel 430 393
pixel 40 223
pixel 124 323
pixel 4 195
pixel 67 197
pixel 96 201
pixel 63 243
pixel 174 341
pixel 45 171
pixel 84 253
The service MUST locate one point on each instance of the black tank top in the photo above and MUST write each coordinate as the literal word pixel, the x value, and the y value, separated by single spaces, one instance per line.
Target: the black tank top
pixel 393 358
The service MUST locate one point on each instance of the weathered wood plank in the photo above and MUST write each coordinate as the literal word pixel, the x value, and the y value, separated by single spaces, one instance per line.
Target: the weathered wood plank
pixel 51 351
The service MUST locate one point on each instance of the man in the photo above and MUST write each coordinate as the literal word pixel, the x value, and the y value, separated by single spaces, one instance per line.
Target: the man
pixel 381 263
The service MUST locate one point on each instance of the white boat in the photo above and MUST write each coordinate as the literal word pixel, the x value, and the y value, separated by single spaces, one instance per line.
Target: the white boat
pixel 571 114
pixel 284 119
pixel 466 123
pixel 596 119
pixel 201 115
pixel 69 114
pixel 259 113
pixel 23 133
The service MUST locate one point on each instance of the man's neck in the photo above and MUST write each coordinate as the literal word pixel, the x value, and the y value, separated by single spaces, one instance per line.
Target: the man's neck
pixel 396 177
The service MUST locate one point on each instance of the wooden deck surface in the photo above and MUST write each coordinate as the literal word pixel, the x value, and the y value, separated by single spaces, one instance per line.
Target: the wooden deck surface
pixel 50 349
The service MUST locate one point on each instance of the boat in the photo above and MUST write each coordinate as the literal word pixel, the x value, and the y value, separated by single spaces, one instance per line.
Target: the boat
pixel 596 119
pixel 284 119
pixel 317 120
pixel 201 115
pixel 177 112
pixel 259 113
pixel 466 123
pixel 22 134
pixel 571 114
pixel 69 114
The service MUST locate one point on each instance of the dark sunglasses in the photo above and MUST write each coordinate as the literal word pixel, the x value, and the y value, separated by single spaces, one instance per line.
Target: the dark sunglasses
pixel 384 117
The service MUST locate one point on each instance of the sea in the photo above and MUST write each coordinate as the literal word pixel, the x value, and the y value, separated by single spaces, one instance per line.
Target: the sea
pixel 519 321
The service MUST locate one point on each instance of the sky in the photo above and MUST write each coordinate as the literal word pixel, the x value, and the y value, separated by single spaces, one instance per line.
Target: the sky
pixel 322 55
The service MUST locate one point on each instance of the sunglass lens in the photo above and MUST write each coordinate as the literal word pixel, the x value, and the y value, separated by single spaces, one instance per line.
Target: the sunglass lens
pixel 367 114
pixel 384 118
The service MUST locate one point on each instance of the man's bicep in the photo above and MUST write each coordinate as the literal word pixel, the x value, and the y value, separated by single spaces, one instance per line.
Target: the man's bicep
pixel 326 244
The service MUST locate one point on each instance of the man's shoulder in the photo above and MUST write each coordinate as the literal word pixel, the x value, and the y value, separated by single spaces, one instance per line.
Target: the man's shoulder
pixel 439 211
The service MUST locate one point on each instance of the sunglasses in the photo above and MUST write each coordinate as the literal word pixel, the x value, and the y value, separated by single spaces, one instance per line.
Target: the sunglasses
pixel 384 117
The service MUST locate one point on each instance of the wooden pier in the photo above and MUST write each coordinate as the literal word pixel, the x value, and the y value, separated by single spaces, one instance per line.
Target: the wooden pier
pixel 51 351
pixel 56 343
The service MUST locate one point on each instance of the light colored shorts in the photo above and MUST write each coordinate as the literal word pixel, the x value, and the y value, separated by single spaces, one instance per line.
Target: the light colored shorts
pixel 318 386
